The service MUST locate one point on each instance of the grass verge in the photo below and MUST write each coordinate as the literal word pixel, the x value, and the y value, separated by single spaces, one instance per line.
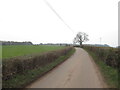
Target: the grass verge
pixel 110 74
pixel 22 80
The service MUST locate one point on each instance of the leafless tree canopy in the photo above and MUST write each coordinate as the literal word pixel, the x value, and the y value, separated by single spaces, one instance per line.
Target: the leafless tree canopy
pixel 80 38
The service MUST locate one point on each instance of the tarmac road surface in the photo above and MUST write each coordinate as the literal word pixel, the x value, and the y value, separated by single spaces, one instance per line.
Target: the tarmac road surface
pixel 79 71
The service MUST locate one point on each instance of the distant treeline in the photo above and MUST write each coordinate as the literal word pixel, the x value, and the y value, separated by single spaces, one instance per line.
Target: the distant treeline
pixel 30 43
pixel 98 45
pixel 15 43
pixel 59 44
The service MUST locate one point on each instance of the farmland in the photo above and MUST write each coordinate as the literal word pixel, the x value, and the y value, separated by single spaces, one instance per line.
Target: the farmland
pixel 21 50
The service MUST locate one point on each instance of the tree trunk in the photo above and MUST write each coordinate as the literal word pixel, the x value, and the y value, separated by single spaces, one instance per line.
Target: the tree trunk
pixel 80 44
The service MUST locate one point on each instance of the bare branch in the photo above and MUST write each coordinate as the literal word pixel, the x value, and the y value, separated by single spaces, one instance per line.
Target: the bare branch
pixel 80 38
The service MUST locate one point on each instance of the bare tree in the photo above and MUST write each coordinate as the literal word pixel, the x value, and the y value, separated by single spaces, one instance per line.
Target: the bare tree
pixel 80 38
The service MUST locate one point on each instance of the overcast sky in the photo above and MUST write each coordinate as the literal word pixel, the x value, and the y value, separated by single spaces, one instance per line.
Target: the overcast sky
pixel 33 20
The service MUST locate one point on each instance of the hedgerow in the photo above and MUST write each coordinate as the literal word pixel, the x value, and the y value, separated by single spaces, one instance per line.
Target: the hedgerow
pixel 108 55
pixel 19 65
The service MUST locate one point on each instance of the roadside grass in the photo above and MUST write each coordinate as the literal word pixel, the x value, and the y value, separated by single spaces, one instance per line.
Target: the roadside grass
pixel 10 51
pixel 22 80
pixel 110 74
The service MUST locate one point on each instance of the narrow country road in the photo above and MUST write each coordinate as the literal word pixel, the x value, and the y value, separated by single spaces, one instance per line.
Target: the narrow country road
pixel 79 71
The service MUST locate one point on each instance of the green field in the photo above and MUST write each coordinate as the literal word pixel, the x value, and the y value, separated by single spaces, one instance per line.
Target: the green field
pixel 21 50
